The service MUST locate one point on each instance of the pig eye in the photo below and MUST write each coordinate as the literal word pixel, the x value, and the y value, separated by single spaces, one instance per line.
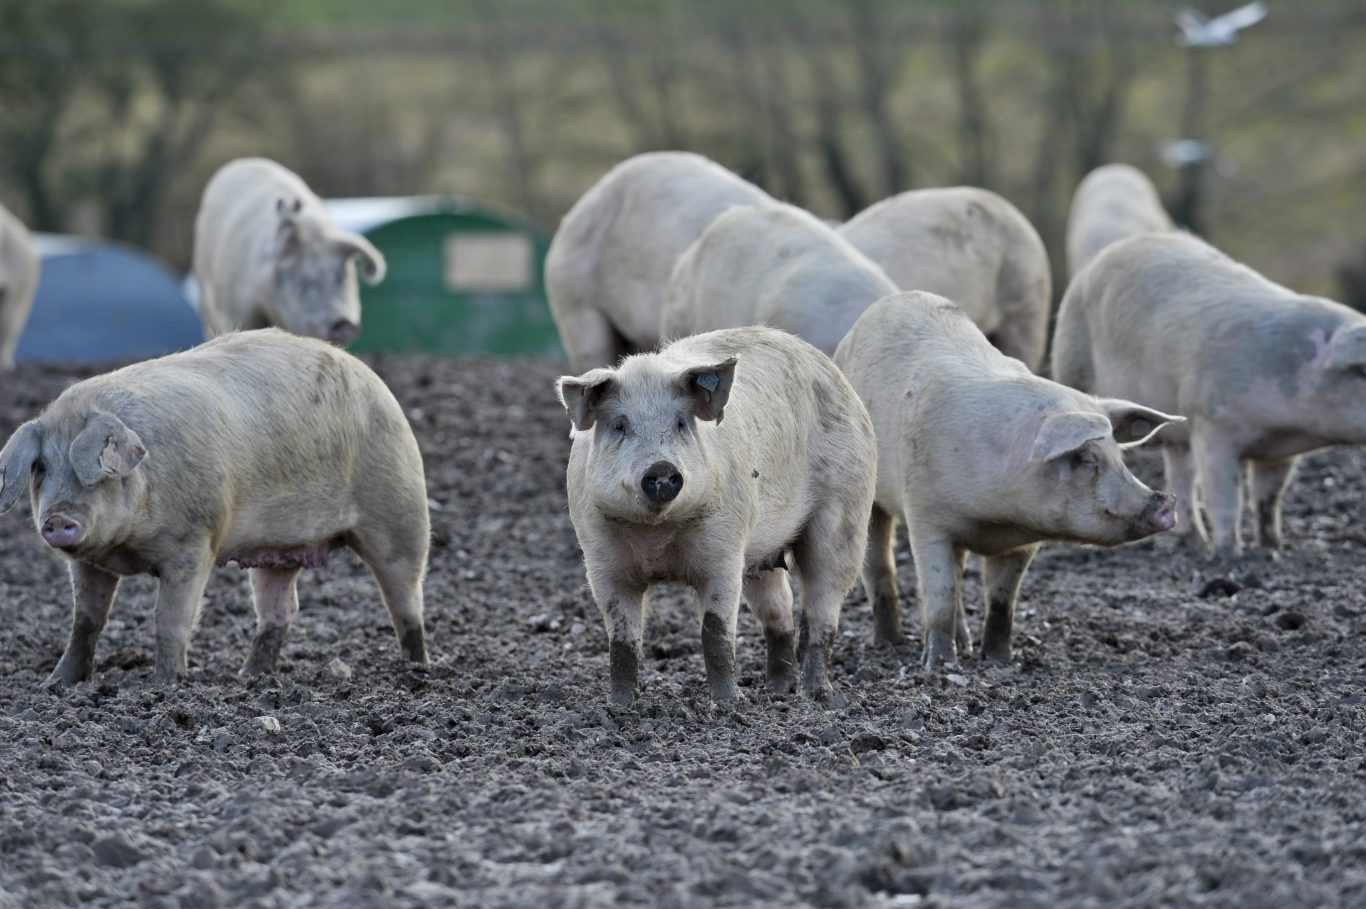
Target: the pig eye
pixel 681 425
pixel 621 426
pixel 1082 460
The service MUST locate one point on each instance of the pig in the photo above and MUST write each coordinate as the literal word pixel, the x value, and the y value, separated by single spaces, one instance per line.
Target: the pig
pixel 1262 373
pixel 978 454
pixel 267 253
pixel 18 281
pixel 1112 202
pixel 713 462
pixel 261 448
pixel 772 264
pixel 609 262
pixel 971 246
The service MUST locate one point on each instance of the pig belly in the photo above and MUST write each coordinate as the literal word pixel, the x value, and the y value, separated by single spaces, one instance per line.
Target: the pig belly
pixel 306 555
pixel 286 534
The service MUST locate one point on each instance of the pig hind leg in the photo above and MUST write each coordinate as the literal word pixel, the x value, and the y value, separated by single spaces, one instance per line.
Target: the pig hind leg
pixel 93 591
pixel 828 556
pixel 769 596
pixel 275 595
pixel 879 578
pixel 1268 481
pixel 398 560
pixel 1001 577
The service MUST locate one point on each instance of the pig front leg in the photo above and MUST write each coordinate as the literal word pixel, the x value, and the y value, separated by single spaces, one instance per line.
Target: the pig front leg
pixel 275 594
pixel 92 591
pixel 1001 577
pixel 178 597
pixel 939 567
pixel 769 595
pixel 623 614
pixel 1218 475
pixel 1268 481
pixel 879 578
pixel 719 596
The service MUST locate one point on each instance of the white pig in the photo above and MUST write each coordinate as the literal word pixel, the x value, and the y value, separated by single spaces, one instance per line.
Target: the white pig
pixel 971 246
pixel 978 454
pixel 776 265
pixel 261 448
pixel 610 260
pixel 1112 202
pixel 267 253
pixel 18 281
pixel 711 463
pixel 1263 374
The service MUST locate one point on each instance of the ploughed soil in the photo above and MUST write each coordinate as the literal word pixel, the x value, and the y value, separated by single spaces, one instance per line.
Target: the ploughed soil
pixel 1150 745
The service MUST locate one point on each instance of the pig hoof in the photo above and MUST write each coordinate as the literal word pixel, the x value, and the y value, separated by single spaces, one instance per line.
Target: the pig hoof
pixel 414 646
pixel 781 684
pixel 622 697
pixel 997 654
pixel 821 692
pixel 723 691
pixel 940 649
pixel 55 683
pixel 885 639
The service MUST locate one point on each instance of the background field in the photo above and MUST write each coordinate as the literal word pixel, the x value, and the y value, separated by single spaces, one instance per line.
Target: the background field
pixel 113 113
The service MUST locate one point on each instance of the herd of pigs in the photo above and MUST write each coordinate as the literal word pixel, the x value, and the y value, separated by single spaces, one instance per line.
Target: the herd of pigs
pixel 759 395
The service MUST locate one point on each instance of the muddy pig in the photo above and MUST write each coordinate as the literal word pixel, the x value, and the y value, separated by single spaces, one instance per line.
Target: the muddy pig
pixel 1263 374
pixel 776 265
pixel 1113 202
pixel 972 246
pixel 712 463
pixel 978 454
pixel 267 253
pixel 609 263
pixel 260 448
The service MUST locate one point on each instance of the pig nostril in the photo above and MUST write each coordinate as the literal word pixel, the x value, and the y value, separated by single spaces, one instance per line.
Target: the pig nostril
pixel 60 532
pixel 1164 519
pixel 661 482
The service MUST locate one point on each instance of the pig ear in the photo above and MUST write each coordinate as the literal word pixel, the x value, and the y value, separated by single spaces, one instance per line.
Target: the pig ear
pixel 286 247
pixel 709 388
pixel 16 462
pixel 1063 433
pixel 372 265
pixel 106 447
pixel 581 395
pixel 1347 349
pixel 1133 423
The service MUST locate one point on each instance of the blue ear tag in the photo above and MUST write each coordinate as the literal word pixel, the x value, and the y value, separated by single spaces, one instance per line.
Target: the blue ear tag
pixel 709 381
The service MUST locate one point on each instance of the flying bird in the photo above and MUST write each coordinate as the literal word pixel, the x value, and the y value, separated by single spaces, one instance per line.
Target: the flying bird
pixel 1197 30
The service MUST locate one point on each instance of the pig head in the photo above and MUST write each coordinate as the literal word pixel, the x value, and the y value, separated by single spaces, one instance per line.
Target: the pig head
pixel 83 476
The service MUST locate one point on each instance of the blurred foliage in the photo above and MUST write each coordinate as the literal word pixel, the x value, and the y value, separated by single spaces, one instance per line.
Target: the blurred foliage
pixel 113 113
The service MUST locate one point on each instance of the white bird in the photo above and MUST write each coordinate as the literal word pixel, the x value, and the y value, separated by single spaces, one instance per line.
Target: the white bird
pixel 1199 31
pixel 1184 152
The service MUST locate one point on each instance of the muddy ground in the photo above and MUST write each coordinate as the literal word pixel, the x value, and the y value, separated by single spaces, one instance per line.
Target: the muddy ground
pixel 1149 746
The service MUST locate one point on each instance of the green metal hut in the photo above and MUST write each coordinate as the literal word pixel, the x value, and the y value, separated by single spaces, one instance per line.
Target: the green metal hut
pixel 463 279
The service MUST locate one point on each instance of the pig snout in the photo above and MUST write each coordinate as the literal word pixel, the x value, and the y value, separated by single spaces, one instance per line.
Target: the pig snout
pixel 62 531
pixel 661 482
pixel 1160 514
pixel 342 331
